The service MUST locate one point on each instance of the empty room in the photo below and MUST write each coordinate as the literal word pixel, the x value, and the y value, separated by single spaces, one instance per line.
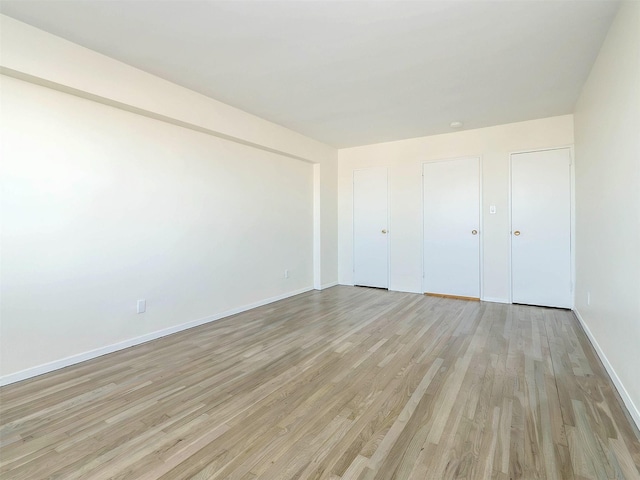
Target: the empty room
pixel 323 239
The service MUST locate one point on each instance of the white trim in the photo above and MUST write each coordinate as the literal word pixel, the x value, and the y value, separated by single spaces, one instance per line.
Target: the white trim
pixel 389 230
pixel 634 412
pixel 495 300
pixel 480 227
pixel 98 352
pixel 510 272
pixel 572 168
pixel 534 150
pixel 317 229
pixel 328 285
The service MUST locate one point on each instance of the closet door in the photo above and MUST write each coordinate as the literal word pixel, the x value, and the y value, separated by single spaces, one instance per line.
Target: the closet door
pixel 452 227
pixel 541 228
pixel 370 237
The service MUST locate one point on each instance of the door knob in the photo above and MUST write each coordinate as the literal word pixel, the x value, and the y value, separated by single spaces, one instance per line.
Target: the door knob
pixel 474 232
pixel 517 233
pixel 384 231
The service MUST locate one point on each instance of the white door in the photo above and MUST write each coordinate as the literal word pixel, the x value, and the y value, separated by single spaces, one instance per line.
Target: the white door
pixel 541 228
pixel 370 237
pixel 452 227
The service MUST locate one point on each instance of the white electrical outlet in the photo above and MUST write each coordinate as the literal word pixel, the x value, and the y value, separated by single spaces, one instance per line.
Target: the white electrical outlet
pixel 286 274
pixel 588 298
pixel 142 306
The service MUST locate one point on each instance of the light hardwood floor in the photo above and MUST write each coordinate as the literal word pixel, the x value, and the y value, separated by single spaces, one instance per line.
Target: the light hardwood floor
pixel 348 383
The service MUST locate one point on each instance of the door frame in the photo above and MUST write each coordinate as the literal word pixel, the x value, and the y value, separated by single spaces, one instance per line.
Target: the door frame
pixel 480 218
pixel 353 225
pixel 572 213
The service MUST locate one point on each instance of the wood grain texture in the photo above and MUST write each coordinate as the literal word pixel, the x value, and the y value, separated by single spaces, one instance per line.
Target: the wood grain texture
pixel 347 383
pixel 456 297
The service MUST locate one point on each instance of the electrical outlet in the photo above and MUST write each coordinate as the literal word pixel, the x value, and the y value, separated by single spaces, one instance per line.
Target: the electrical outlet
pixel 588 298
pixel 142 306
pixel 286 274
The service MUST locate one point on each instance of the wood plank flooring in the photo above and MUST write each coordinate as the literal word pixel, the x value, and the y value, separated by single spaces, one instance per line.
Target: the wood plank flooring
pixel 348 383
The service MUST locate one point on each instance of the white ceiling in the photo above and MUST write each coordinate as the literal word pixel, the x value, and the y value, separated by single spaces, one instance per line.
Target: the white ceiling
pixel 351 72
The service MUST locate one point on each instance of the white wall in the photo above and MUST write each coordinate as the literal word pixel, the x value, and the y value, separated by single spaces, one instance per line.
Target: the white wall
pixel 117 185
pixel 404 160
pixel 40 57
pixel 101 207
pixel 607 131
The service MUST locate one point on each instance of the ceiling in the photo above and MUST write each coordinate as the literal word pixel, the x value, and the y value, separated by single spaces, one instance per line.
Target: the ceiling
pixel 351 72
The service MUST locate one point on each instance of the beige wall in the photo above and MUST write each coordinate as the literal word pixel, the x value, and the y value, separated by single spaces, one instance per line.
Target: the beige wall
pixel 404 160
pixel 607 130
pixel 170 196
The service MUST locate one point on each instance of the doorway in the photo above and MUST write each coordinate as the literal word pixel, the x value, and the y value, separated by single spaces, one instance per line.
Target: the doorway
pixel 370 228
pixel 451 197
pixel 541 228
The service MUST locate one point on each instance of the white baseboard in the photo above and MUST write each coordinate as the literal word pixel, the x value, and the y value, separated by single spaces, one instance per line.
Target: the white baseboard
pixel 98 352
pixel 495 300
pixel 328 285
pixel 633 409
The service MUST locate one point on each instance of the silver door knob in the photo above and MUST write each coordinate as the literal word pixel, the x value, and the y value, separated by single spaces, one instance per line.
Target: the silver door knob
pixel 384 230
pixel 517 233
pixel 474 232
